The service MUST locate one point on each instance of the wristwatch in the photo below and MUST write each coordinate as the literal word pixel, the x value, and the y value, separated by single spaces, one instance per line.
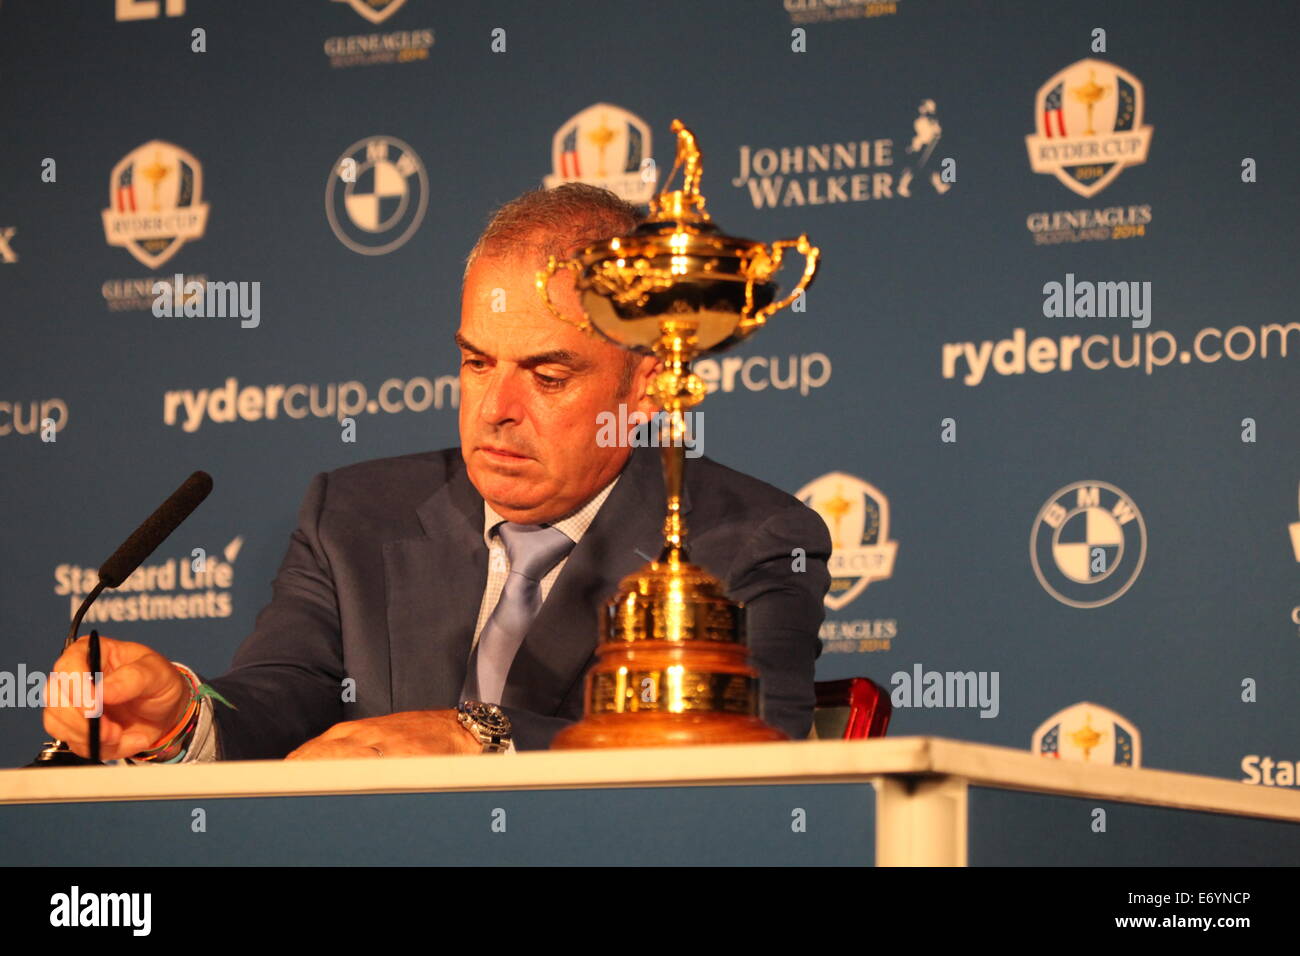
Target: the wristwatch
pixel 488 723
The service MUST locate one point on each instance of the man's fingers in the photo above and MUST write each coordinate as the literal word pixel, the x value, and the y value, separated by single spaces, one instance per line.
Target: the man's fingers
pixel 110 731
pixel 116 742
pixel 74 660
pixel 406 734
pixel 115 653
pixel 70 701
pixel 139 678
pixel 112 653
pixel 60 727
pixel 69 725
pixel 339 731
pixel 132 742
pixel 339 749
pixel 130 670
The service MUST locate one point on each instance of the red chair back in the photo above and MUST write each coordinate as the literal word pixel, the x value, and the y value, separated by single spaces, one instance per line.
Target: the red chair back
pixel 851 709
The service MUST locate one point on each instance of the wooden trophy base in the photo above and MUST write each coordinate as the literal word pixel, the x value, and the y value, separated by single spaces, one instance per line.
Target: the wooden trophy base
pixel 664 730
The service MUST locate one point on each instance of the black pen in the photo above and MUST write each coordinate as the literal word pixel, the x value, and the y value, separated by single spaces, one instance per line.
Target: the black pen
pixel 94 674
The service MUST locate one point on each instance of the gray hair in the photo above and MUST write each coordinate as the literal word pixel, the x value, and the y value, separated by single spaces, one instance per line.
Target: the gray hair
pixel 558 222
pixel 554 222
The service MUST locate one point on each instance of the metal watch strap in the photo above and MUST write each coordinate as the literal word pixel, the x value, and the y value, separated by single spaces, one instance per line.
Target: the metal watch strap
pixel 479 719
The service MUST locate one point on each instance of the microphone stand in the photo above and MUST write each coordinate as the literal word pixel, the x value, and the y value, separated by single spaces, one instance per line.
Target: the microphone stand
pixel 56 753
pixel 113 573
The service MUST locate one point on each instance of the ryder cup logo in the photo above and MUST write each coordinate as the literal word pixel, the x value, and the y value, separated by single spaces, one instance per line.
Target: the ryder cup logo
pixel 155 202
pixel 857 516
pixel 376 195
pixel 376 11
pixel 607 146
pixel 1089 733
pixel 1089 119
pixel 1088 544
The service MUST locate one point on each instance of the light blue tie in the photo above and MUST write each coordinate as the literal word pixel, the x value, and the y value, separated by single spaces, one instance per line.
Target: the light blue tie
pixel 534 551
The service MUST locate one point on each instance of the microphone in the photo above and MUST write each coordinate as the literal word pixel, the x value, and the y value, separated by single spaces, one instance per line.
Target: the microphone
pixel 143 541
pixel 146 538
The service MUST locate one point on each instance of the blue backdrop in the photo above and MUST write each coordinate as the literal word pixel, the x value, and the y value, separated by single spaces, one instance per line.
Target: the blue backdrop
pixel 1096 507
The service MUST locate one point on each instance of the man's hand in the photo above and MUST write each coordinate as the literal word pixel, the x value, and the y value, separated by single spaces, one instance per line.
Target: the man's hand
pixel 144 696
pixel 412 733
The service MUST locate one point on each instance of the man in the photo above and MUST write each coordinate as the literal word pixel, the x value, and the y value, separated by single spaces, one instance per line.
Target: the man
pixel 412 584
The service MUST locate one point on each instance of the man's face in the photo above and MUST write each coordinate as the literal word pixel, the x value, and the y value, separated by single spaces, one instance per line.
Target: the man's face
pixel 531 388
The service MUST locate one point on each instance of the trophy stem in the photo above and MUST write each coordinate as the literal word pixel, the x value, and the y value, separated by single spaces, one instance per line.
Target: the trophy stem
pixel 676 388
pixel 673 452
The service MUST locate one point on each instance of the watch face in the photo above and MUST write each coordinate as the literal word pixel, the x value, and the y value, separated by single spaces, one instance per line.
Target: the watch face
pixel 490 718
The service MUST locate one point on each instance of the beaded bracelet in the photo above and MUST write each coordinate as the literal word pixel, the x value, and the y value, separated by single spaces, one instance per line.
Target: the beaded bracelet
pixel 171 743
pixel 176 741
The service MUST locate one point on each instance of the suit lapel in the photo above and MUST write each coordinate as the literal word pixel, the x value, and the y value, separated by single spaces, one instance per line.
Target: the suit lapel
pixel 563 637
pixel 435 586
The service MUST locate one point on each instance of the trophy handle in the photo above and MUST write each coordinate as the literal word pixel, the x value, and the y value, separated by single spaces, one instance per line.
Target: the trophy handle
pixel 553 265
pixel 769 267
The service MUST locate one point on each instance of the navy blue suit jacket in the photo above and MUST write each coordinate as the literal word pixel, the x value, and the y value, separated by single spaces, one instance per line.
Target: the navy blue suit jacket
pixel 385 573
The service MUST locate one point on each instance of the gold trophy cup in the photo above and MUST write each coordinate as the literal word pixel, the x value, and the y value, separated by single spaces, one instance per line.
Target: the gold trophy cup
pixel 672 667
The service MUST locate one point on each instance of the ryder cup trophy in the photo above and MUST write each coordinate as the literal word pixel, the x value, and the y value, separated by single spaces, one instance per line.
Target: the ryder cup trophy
pixel 672 667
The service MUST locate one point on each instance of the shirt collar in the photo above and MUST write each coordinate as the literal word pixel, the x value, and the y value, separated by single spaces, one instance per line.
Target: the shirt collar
pixel 574 525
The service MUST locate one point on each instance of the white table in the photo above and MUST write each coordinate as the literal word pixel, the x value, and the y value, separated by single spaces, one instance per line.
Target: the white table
pixel 921 783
